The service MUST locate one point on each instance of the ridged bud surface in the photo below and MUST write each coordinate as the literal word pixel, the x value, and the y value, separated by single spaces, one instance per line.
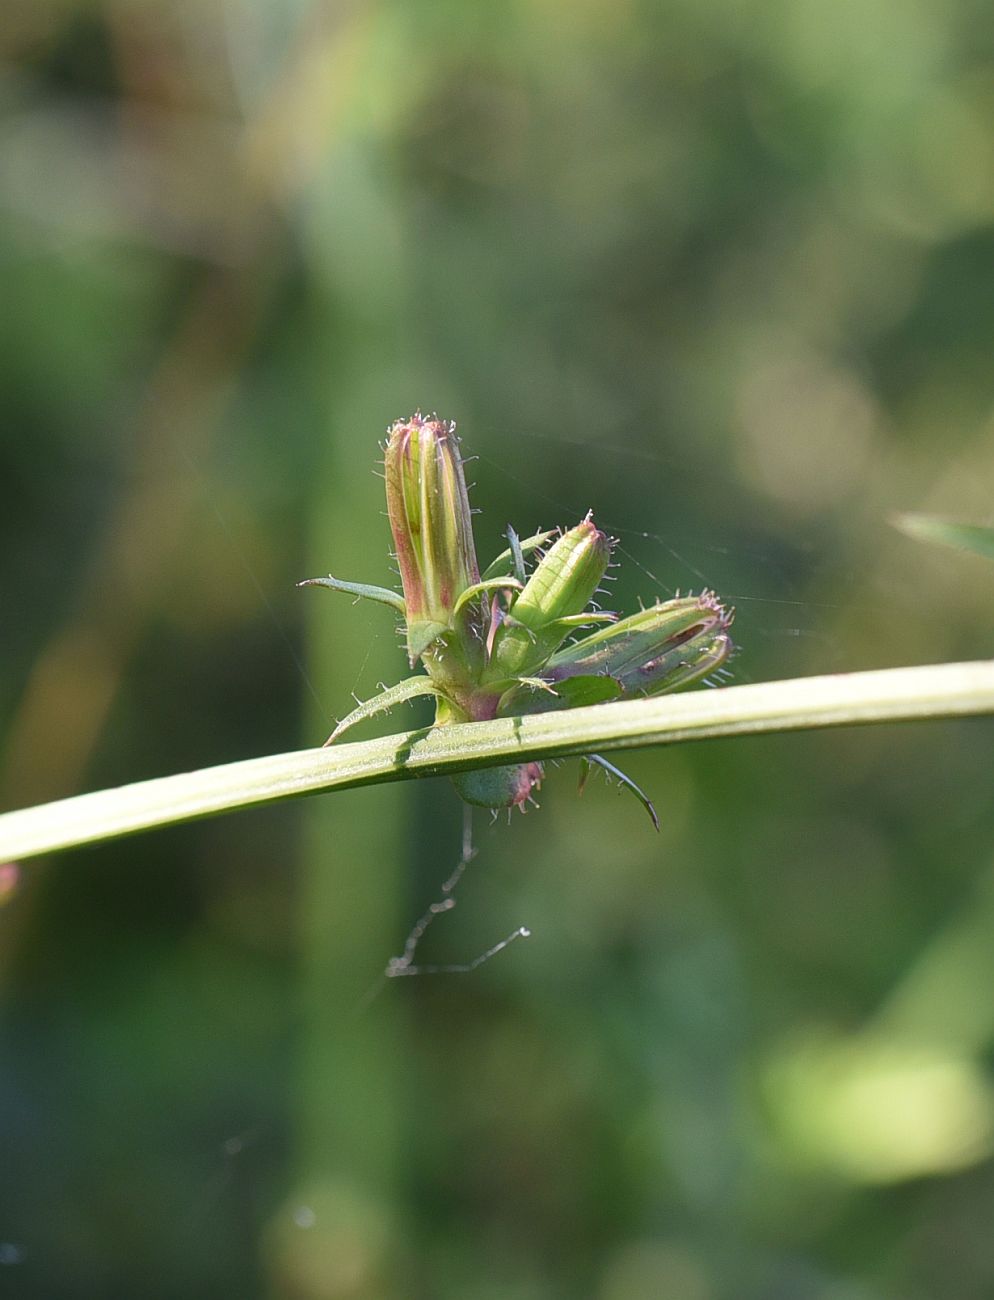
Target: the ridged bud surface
pixel 432 527
pixel 663 648
pixel 562 586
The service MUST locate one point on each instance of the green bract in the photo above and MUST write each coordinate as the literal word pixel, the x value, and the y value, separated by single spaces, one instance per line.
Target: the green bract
pixel 499 645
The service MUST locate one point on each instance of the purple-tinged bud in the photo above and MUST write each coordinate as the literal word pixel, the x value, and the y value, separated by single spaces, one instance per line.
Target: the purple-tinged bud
pixel 663 648
pixel 499 787
pixel 432 527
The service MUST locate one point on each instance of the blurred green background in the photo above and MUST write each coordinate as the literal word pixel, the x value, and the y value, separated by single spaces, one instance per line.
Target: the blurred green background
pixel 723 271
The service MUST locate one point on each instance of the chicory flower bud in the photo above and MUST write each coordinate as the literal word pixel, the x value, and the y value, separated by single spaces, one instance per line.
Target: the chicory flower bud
pixel 550 605
pixel 499 787
pixel 432 528
pixel 663 648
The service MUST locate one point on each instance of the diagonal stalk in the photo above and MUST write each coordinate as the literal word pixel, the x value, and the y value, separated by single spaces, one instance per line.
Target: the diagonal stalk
pixel 890 695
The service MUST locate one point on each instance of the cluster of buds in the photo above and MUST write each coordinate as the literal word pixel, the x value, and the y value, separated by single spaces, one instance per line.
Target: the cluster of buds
pixel 506 642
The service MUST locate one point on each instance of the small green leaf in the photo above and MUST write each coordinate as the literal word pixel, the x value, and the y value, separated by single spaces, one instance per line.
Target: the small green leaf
pixel 517 555
pixel 409 689
pixel 964 537
pixel 577 692
pixel 487 584
pixel 584 620
pixel 510 690
pixel 570 693
pixel 624 780
pixel 420 635
pixel 381 594
pixel 506 558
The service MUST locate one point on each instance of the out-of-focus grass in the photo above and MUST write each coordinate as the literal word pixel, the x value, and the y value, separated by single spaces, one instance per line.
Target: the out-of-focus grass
pixel 719 272
pixel 946 532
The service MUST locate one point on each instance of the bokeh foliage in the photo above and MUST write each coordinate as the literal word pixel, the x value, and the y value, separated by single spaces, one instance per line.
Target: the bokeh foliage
pixel 720 271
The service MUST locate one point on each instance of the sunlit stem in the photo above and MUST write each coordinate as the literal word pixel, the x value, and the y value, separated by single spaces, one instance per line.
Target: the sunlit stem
pixel 845 699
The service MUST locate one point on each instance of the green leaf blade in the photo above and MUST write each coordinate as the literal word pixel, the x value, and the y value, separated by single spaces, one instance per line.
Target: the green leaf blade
pixel 945 532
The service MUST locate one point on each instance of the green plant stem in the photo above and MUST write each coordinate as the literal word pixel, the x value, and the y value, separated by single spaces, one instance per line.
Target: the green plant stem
pixel 890 695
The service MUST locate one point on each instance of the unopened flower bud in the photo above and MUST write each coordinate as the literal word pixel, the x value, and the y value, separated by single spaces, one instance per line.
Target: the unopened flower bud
pixel 432 528
pixel 499 787
pixel 663 648
pixel 560 588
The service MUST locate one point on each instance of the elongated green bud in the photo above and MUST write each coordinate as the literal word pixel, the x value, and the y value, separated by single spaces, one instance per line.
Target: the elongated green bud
pixel 663 648
pixel 559 589
pixel 566 577
pixel 432 528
